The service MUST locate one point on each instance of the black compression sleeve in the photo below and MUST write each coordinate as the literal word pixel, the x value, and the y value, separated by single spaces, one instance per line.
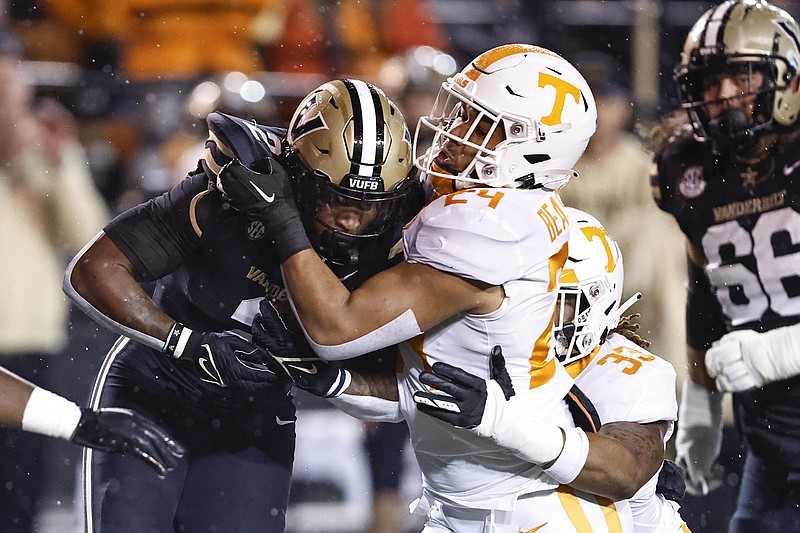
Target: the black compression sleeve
pixel 704 320
pixel 158 235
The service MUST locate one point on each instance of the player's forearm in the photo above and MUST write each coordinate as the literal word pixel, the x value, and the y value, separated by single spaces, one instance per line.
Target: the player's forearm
pixel 697 368
pixel 318 297
pixel 622 457
pixel 14 394
pixel 377 385
pixel 30 408
pixel 102 284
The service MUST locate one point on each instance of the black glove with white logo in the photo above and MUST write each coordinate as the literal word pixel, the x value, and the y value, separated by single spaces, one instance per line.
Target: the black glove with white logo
pixel 464 400
pixel 290 357
pixel 265 194
pixel 225 359
pixel 121 430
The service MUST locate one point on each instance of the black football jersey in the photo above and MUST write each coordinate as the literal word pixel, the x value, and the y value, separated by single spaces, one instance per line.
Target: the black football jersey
pixel 210 264
pixel 746 221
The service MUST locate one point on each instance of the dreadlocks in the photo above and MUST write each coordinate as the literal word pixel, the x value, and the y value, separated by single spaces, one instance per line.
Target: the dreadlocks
pixel 628 328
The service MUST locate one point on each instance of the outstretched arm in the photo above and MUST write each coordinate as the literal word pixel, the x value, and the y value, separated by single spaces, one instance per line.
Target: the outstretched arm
pixel 29 408
pixel 395 301
pixel 391 307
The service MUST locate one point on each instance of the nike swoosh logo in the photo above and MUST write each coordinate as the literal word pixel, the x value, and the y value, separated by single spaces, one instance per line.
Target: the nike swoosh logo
pixel 282 422
pixel 537 528
pixel 214 375
pixel 269 198
pixel 788 169
pixel 308 370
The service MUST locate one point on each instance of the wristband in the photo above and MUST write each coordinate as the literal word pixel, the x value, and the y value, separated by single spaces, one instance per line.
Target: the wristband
pixel 572 458
pixel 50 414
pixel 511 425
pixel 176 341
pixel 340 385
pixel 291 238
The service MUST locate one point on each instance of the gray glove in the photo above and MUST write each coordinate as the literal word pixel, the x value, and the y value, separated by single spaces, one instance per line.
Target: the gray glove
pixel 699 438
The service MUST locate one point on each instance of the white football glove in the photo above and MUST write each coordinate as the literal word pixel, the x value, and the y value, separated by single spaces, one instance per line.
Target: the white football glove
pixel 699 438
pixel 746 359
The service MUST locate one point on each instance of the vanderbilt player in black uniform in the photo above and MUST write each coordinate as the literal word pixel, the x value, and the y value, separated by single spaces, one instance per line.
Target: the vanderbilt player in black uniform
pixel 348 151
pixel 730 179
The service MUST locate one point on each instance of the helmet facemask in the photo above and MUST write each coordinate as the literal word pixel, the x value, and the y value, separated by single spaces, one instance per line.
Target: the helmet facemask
pixel 732 128
pixel 584 316
pixel 452 109
pixel 372 216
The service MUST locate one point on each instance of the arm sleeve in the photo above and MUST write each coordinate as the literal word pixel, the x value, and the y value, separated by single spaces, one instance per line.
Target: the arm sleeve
pixel 157 236
pixel 659 186
pixel 704 321
pixel 368 408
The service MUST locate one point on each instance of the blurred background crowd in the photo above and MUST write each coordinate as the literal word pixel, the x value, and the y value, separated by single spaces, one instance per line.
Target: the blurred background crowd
pixel 102 106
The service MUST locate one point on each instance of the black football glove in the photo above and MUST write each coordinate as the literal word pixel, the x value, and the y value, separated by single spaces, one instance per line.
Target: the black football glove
pixel 289 356
pixel 464 401
pixel 265 195
pixel 223 359
pixel 121 430
pixel 671 481
pixel 239 161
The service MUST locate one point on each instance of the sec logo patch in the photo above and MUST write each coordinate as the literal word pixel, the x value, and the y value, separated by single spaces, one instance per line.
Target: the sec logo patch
pixel 692 183
pixel 255 230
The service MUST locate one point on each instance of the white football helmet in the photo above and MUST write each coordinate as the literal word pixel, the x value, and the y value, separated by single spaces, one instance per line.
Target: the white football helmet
pixel 590 291
pixel 539 102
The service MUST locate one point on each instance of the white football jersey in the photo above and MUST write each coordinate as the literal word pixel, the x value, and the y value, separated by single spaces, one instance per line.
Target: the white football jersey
pixel 514 238
pixel 627 383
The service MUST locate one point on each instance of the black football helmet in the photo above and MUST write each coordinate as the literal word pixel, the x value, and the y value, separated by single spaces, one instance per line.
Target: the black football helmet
pixel 740 38
pixel 349 149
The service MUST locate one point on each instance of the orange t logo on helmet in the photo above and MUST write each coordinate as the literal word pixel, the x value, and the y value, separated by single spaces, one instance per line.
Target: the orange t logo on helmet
pixel 563 88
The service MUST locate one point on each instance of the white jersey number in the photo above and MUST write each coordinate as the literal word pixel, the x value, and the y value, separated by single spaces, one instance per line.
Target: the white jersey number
pixel 763 289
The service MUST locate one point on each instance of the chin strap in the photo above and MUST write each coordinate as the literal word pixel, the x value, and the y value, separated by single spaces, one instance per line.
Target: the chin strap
pixel 627 304
pixel 552 179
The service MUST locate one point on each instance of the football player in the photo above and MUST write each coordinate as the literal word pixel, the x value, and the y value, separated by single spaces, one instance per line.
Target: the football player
pixel 181 358
pixel 30 408
pixel 631 392
pixel 631 389
pixel 729 178
pixel 481 268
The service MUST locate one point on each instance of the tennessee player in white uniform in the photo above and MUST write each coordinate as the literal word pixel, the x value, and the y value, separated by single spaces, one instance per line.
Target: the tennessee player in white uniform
pixel 632 390
pixel 488 235
pixel 481 265
pixel 624 381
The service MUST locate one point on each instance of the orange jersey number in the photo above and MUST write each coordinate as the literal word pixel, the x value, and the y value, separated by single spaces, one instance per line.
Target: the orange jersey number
pixel 631 358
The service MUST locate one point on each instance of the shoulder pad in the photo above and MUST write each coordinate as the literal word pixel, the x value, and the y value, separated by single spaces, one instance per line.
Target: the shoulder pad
pixel 465 235
pixel 242 139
